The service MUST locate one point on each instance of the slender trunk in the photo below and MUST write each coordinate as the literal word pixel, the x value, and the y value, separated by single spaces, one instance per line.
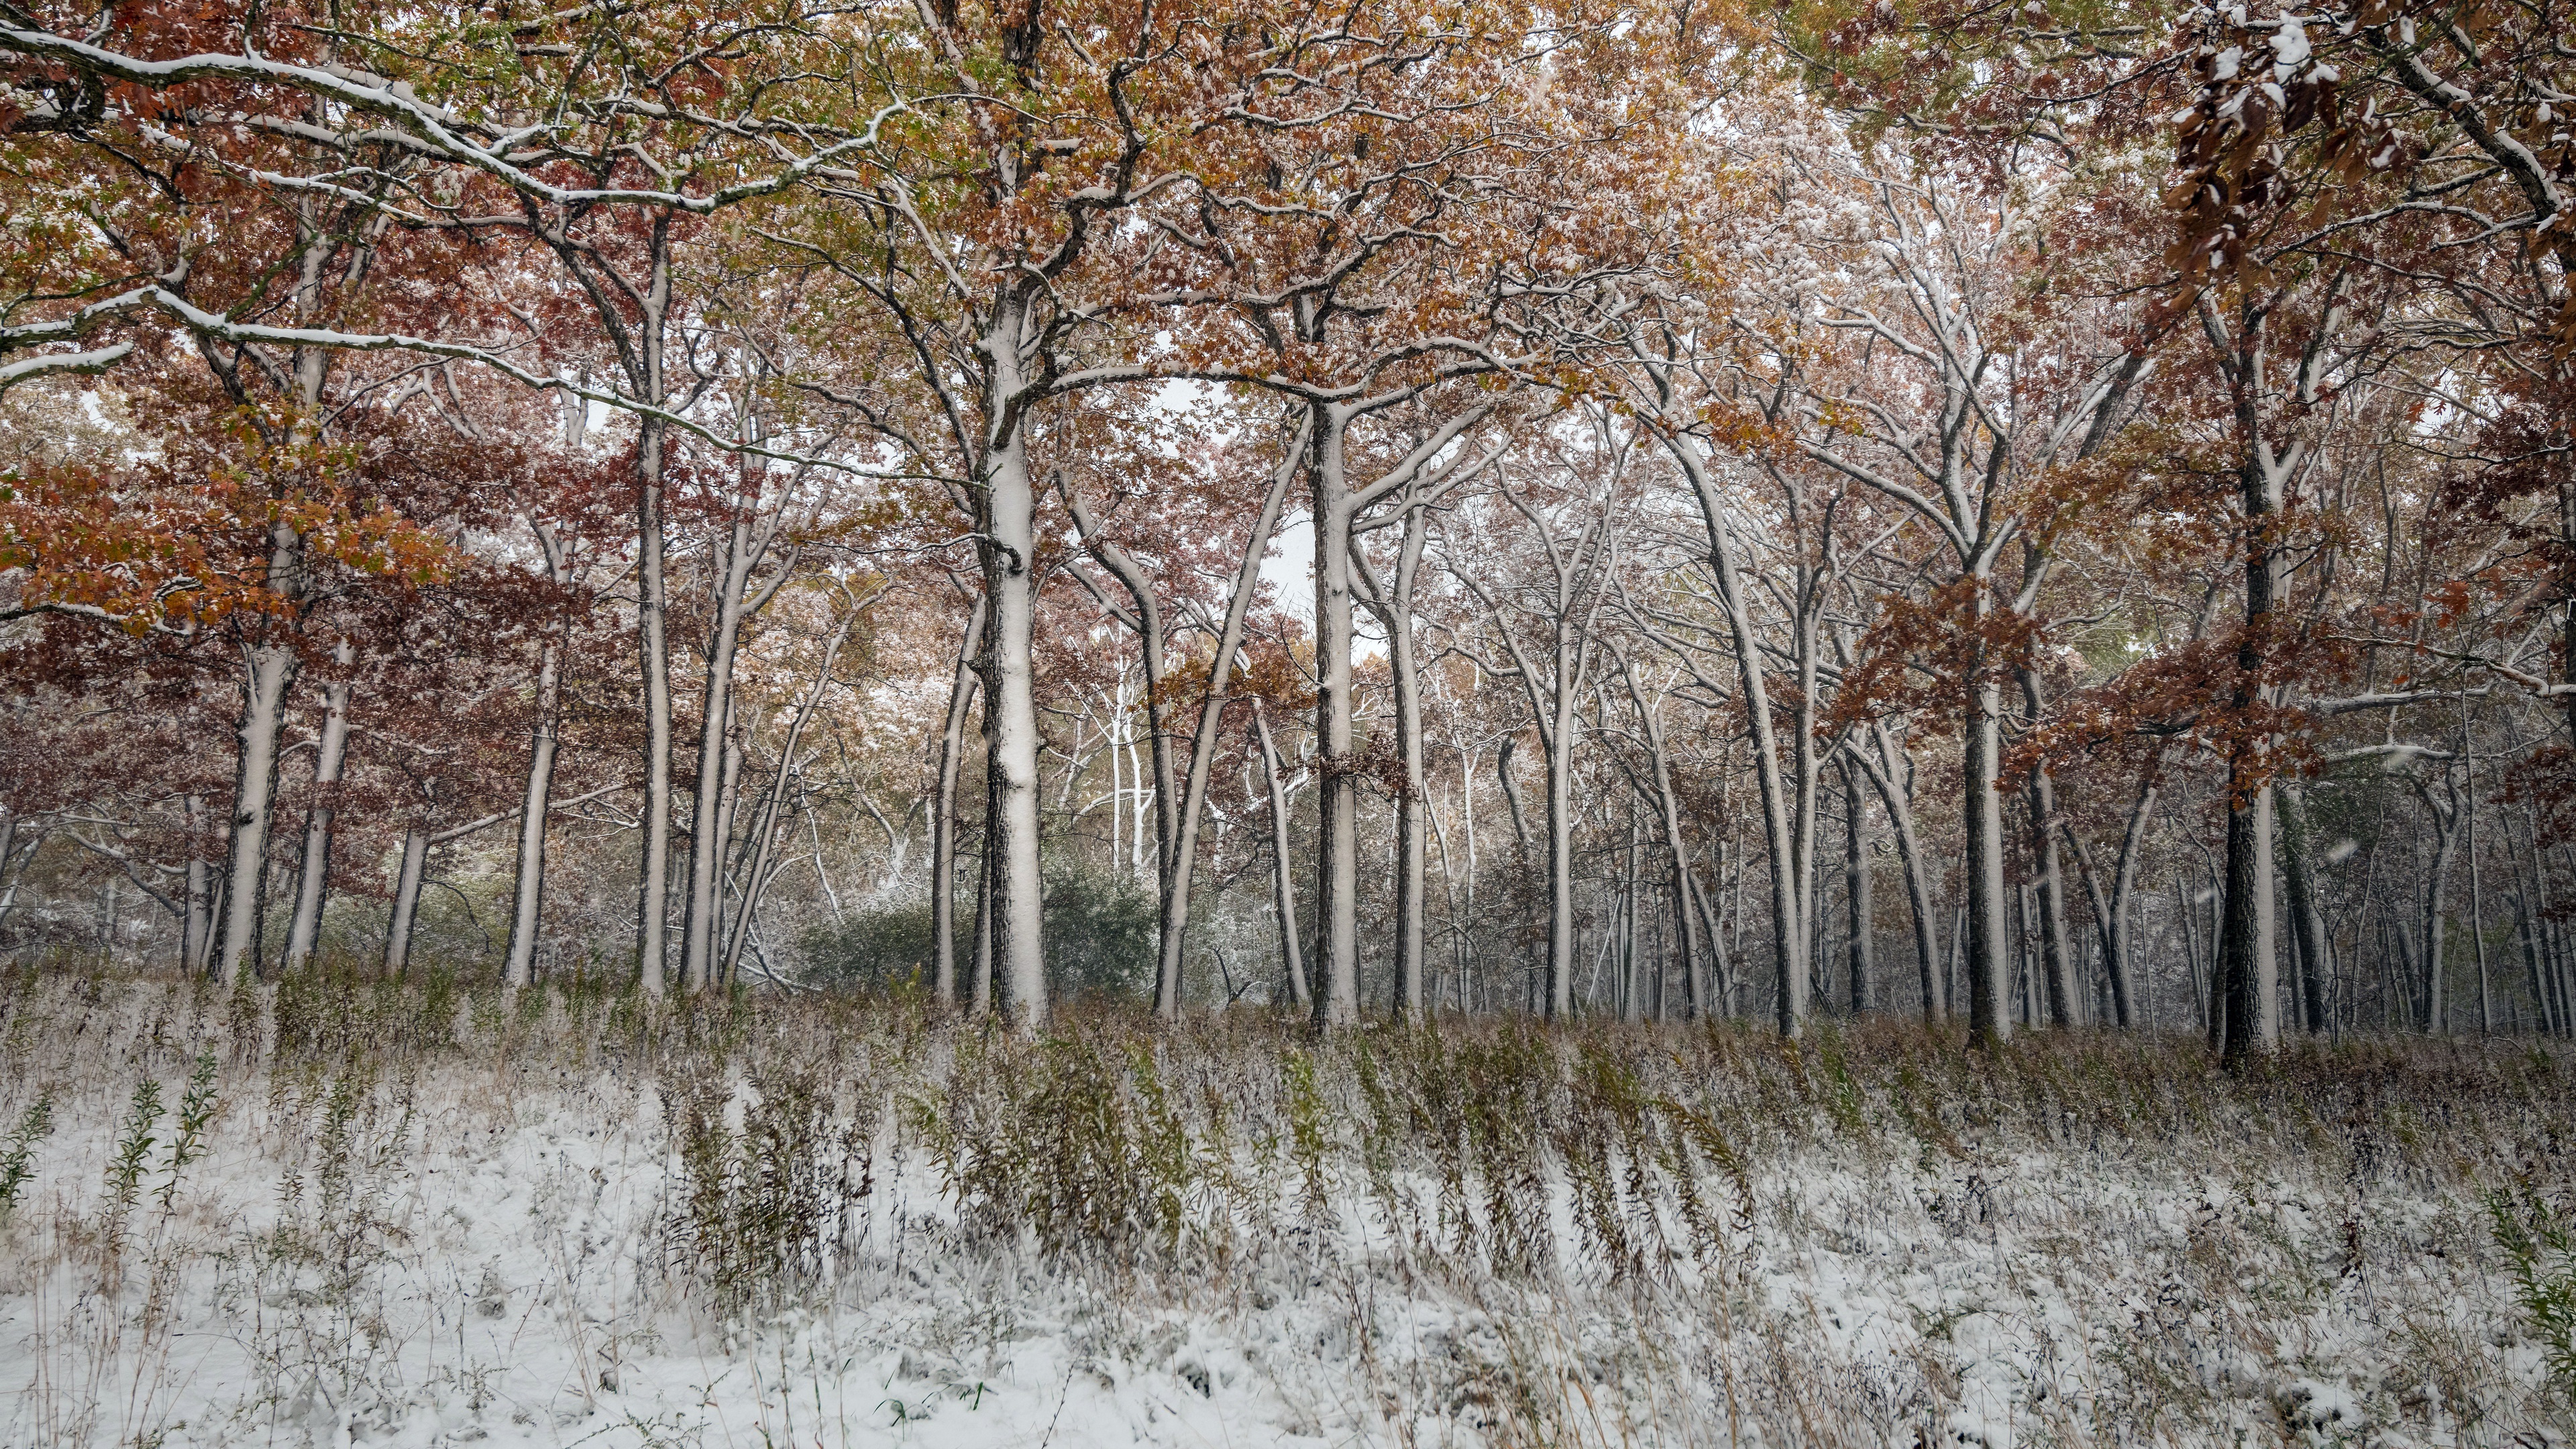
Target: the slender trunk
pixel 1337 990
pixel 979 994
pixel 1988 942
pixel 271 670
pixel 728 795
pixel 943 817
pixel 1789 947
pixel 1009 547
pixel 2124 884
pixel 1148 623
pixel 1885 774
pixel 1686 921
pixel 707 822
pixel 1194 788
pixel 330 760
pixel 2477 903
pixel 1856 886
pixel 765 827
pixel 194 932
pixel 407 884
pixel 1411 855
pixel 651 609
pixel 2436 1013
pixel 2064 1005
pixel 2307 923
pixel 528 893
pixel 1557 743
pixel 1283 886
pixel 2247 995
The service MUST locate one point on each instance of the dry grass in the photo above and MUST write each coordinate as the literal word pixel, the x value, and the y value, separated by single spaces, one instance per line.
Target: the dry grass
pixel 269 1215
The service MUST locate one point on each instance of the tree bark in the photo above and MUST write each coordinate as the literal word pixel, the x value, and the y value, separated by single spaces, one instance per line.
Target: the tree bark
pixel 407 884
pixel 313 877
pixel 1337 998
pixel 1393 605
pixel 527 894
pixel 1009 547
pixel 652 611
pixel 2307 922
pixel 1283 884
pixel 271 670
pixel 1856 887
pixel 1147 622
pixel 196 928
pixel 1194 788
pixel 765 828
pixel 943 821
pixel 1788 940
pixel 1686 919
pixel 710 820
pixel 1888 775
pixel 1988 942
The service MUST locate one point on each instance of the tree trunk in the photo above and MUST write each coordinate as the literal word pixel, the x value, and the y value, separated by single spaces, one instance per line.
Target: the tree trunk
pixel 330 760
pixel 1987 945
pixel 2246 994
pixel 1885 773
pixel 979 995
pixel 407 884
pixel 1009 548
pixel 2307 923
pixel 195 932
pixel 1686 920
pixel 943 817
pixel 1856 887
pixel 528 892
pixel 2436 1013
pixel 711 817
pixel 1789 947
pixel 1193 802
pixel 1283 885
pixel 1337 999
pixel 271 670
pixel 652 608
pixel 1148 624
pixel 765 827
pixel 1394 607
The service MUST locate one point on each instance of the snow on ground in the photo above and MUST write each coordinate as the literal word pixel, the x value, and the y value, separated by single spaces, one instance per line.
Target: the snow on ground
pixel 413 1218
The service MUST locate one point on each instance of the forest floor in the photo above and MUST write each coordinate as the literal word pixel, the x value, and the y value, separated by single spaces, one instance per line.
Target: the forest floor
pixel 352 1212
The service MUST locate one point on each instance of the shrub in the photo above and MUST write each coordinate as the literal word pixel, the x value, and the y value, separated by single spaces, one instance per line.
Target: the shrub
pixel 1100 936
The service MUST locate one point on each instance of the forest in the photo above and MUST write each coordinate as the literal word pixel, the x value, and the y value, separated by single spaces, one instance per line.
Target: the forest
pixel 1549 658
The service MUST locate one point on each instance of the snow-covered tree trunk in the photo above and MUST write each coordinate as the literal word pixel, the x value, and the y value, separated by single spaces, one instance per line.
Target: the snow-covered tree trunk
pixel 1987 947
pixel 195 933
pixel 2307 922
pixel 1337 973
pixel 270 672
pixel 527 893
pixel 1283 884
pixel 764 827
pixel 330 761
pixel 1194 785
pixel 407 883
pixel 943 818
pixel 1009 543
pixel 1856 887
pixel 1392 603
pixel 1788 934
pixel 1686 920
pixel 707 822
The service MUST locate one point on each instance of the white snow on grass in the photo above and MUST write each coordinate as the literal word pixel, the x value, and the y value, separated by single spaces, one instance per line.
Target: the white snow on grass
pixel 498 1225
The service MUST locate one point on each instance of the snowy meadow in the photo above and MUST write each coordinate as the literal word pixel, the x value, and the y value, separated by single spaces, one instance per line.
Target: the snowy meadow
pixel 334 1213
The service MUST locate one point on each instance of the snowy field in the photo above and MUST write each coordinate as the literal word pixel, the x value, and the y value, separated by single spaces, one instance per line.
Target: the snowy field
pixel 364 1215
